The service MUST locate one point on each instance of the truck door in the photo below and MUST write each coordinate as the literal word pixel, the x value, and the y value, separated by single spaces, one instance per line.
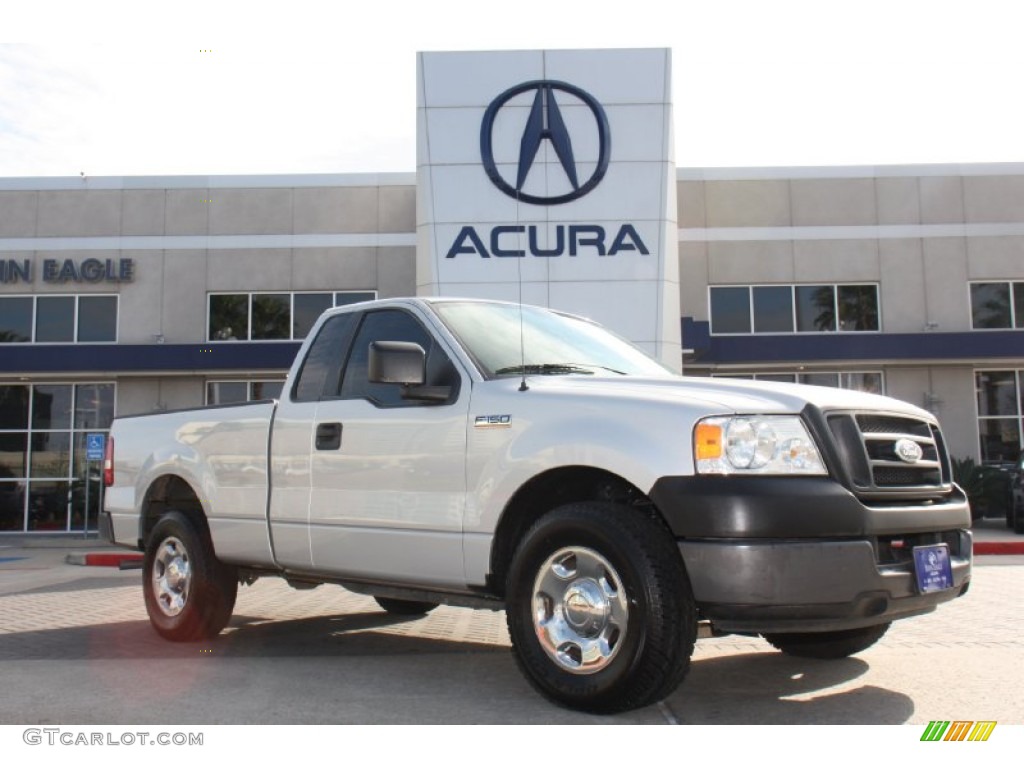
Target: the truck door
pixel 292 441
pixel 388 473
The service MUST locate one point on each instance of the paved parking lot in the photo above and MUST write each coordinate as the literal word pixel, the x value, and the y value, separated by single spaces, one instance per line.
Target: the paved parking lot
pixel 76 647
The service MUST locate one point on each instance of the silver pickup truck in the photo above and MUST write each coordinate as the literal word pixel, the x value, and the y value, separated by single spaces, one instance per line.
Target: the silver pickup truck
pixel 492 455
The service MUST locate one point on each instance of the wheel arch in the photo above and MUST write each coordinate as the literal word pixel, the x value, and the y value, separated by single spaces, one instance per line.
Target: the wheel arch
pixel 166 493
pixel 549 490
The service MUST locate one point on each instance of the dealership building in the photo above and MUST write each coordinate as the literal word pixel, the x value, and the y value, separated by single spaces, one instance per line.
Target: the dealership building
pixel 542 176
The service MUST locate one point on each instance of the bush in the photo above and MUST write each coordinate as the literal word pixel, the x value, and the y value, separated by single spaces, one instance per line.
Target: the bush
pixel 988 488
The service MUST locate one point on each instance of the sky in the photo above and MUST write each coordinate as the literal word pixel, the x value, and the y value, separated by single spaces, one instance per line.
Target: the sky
pixel 109 88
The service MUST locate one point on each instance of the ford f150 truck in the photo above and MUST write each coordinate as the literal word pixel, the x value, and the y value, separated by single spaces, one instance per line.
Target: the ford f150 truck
pixel 493 455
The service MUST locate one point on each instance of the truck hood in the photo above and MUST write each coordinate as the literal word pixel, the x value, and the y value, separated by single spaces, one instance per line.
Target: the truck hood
pixel 724 395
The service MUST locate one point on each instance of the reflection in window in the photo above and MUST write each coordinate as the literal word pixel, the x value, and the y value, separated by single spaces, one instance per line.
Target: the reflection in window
pixel 229 317
pixel 94 406
pixel 345 298
pixel 223 392
pixel 51 454
pixel 43 466
pixel 860 381
pixel 858 307
pixel 55 318
pixel 815 308
pixel 307 309
pixel 15 319
pixel 97 318
pixel 794 308
pixel 51 406
pixel 14 402
pixel 271 316
pixel 274 316
pixel 1000 413
pixel 730 310
pixel 12 505
pixel 992 307
pixel 773 309
pixel 48 506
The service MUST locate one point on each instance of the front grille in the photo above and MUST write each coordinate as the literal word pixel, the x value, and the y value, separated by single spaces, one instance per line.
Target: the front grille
pixel 869 446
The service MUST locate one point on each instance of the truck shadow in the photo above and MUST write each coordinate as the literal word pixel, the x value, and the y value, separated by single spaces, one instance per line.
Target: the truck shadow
pixel 353 634
pixel 775 689
pixel 315 658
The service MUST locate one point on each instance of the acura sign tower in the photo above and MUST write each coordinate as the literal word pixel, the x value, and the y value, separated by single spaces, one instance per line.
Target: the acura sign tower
pixel 549 176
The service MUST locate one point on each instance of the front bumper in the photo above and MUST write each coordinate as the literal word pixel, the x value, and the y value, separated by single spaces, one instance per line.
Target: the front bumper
pixel 778 554
pixel 787 586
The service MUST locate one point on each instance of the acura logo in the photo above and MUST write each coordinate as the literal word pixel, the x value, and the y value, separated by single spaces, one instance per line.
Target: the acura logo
pixel 545 122
pixel 908 450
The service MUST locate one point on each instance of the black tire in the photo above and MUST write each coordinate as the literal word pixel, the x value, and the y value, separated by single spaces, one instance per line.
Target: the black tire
pixel 642 639
pixel 827 645
pixel 405 607
pixel 189 594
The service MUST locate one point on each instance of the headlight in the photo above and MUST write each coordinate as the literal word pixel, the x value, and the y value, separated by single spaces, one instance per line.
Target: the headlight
pixel 760 445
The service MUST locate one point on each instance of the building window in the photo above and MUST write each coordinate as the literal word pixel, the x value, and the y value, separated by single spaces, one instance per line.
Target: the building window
pixel 272 316
pixel 1000 394
pixel 746 309
pixel 860 381
pixel 44 472
pixel 58 319
pixel 997 305
pixel 222 392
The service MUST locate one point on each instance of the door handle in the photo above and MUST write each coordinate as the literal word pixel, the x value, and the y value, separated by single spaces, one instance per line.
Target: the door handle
pixel 328 436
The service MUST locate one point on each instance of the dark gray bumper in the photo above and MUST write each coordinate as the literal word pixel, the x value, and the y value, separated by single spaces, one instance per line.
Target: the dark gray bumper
pixel 793 586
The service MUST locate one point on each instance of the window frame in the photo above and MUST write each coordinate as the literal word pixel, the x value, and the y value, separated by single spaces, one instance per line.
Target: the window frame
pixel 248 389
pixel 798 376
pixel 436 346
pixel 333 294
pixel 1016 313
pixel 72 431
pixel 752 315
pixel 75 317
pixel 1018 417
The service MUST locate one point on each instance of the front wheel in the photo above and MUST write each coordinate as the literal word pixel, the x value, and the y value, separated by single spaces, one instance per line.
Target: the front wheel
pixel 600 609
pixel 827 645
pixel 189 593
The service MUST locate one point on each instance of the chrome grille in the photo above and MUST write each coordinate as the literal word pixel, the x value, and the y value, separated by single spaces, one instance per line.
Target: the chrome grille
pixel 867 445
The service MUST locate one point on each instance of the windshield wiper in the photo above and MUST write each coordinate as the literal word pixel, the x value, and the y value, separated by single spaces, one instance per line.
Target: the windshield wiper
pixel 553 369
pixel 544 369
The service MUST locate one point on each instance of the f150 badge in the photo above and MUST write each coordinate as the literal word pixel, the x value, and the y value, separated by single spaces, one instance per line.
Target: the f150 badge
pixel 486 422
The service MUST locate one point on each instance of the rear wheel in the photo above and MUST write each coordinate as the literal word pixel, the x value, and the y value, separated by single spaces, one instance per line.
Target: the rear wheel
pixel 405 607
pixel 600 609
pixel 189 593
pixel 827 645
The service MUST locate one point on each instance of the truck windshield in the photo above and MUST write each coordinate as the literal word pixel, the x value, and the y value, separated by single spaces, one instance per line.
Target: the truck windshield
pixel 508 340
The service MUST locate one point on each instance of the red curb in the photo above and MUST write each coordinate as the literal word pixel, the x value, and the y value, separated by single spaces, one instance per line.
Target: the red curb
pixel 111 559
pixel 999 547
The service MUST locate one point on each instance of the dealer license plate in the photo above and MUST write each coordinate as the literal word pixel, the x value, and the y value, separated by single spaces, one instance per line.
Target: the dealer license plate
pixel 932 568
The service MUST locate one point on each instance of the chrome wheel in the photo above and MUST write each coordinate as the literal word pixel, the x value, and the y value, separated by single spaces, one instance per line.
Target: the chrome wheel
pixel 172 576
pixel 580 610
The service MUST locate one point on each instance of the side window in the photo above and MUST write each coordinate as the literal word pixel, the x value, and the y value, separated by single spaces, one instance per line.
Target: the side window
pixel 323 362
pixel 393 325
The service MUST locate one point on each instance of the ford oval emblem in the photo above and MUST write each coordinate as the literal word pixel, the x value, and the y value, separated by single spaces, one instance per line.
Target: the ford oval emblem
pixel 908 451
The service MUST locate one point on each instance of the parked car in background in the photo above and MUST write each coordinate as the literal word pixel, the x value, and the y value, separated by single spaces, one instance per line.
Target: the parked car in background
pixel 1015 514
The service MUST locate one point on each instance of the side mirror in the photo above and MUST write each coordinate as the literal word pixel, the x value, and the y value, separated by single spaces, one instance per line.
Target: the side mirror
pixel 397 362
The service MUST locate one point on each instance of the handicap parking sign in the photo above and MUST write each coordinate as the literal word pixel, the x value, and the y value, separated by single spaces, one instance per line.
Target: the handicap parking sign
pixel 95 442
